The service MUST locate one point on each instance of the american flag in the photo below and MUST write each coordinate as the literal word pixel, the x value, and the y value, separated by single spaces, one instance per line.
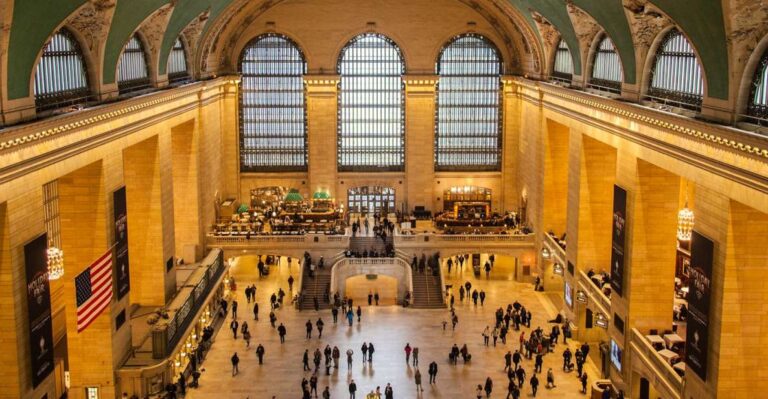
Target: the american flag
pixel 94 290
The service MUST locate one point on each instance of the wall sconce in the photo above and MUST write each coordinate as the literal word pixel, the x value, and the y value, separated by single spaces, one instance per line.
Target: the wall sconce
pixel 545 253
pixel 557 268
pixel 601 320
pixel 581 296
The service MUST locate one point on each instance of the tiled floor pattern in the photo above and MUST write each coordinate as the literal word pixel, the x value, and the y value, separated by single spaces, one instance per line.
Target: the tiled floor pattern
pixel 389 328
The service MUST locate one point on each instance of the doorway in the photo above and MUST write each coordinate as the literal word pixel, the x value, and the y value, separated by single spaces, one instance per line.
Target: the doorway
pixel 371 199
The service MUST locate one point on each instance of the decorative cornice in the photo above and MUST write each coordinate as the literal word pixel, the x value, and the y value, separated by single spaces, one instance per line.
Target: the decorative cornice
pixel 322 80
pixel 27 134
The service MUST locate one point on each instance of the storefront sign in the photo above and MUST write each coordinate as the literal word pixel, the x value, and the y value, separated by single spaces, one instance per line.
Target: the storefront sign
pixel 700 286
pixel 39 309
pixel 122 273
pixel 618 240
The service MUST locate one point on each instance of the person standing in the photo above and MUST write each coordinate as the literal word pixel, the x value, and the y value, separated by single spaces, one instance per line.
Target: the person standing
pixel 335 313
pixel 388 392
pixel 486 335
pixel 407 352
pixel 326 393
pixel 488 387
pixel 550 378
pixel 313 384
pixel 336 354
pixel 233 326
pixel 371 349
pixel 349 358
pixel 364 349
pixel 350 317
pixel 482 297
pixel 309 329
pixel 260 353
pixel 516 358
pixel 433 373
pixel 352 389
pixel 305 360
pixel 417 380
pixel 508 361
pixel 479 391
pixel 235 361
pixel 281 331
pixel 584 383
pixel 255 311
pixel 416 356
pixel 290 283
pixel 370 298
pixel 359 313
pixel 376 298
pixel 319 323
pixel 534 384
pixel 234 309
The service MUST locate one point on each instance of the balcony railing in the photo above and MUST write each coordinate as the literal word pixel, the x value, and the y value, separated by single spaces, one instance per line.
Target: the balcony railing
pixel 665 376
pixel 558 252
pixel 471 238
pixel 595 294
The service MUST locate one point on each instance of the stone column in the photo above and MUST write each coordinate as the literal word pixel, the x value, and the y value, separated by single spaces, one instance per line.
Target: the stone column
pixel 510 133
pixel 228 121
pixel 322 116
pixel 420 91
pixel 186 196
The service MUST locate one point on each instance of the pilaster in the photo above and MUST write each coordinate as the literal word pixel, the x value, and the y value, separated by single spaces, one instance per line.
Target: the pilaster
pixel 420 91
pixel 322 119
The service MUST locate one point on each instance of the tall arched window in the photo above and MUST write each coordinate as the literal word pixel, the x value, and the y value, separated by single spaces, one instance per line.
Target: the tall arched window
pixel 607 73
pixel 371 133
pixel 563 65
pixel 468 134
pixel 132 72
pixel 676 74
pixel 273 126
pixel 177 62
pixel 61 77
pixel 758 98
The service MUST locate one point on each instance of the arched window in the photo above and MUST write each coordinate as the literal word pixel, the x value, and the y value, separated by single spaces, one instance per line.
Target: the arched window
pixel 273 127
pixel 371 133
pixel 758 98
pixel 468 134
pixel 177 63
pixel 607 73
pixel 61 77
pixel 132 73
pixel 676 74
pixel 563 66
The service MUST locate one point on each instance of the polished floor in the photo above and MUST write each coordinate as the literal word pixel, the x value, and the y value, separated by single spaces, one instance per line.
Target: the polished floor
pixel 389 328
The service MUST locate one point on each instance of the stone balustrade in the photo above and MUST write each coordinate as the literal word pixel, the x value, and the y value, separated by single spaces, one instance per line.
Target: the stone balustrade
pixel 662 374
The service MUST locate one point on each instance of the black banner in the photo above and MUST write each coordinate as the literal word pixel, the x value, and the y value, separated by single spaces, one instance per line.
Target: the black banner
pixel 39 309
pixel 618 239
pixel 700 291
pixel 122 274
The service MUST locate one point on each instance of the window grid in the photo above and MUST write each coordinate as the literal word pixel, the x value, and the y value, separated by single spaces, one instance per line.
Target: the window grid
pixel 676 75
pixel 273 125
pixel 132 74
pixel 61 77
pixel 371 135
pixel 607 73
pixel 468 121
pixel 757 109
pixel 563 65
pixel 51 218
pixel 177 63
pixel 371 199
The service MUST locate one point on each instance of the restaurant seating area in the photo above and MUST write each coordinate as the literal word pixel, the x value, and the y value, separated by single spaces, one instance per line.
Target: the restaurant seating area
pixel 670 346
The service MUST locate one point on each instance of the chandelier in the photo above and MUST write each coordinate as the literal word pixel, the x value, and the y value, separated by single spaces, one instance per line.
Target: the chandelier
pixel 685 223
pixel 55 263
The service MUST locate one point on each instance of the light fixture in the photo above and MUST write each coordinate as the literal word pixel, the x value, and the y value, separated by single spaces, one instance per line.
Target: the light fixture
pixel 55 263
pixel 601 320
pixel 685 222
pixel 557 268
pixel 581 296
pixel 545 253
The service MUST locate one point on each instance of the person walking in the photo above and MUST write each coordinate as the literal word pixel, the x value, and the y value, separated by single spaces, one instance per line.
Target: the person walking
pixel 290 283
pixel 260 353
pixel 417 379
pixel 376 298
pixel 305 360
pixel 407 352
pixel 359 313
pixel 508 361
pixel 349 358
pixel 433 373
pixel 335 313
pixel 550 378
pixel 488 387
pixel 255 311
pixel 235 361
pixel 495 334
pixel 486 335
pixel 584 383
pixel 247 338
pixel 233 326
pixel 479 391
pixel 370 298
pixel 320 324
pixel 234 309
pixel 539 363
pixel 336 354
pixel 309 329
pixel 313 384
pixel 371 349
pixel 352 389
pixel 364 349
pixel 516 358
pixel 272 318
pixel 534 384
pixel 281 331
pixel 350 317
pixel 416 356
pixel 326 393
pixel 388 392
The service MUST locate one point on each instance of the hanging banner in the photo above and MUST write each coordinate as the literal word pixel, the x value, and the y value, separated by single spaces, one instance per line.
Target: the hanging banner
pixel 618 239
pixel 39 309
pixel 122 274
pixel 700 291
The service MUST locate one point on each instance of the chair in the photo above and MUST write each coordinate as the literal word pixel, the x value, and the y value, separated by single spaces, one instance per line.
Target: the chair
pixel 654 332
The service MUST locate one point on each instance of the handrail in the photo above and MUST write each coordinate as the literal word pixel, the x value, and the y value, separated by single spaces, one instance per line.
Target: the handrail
pixel 663 371
pixel 597 296
pixel 555 249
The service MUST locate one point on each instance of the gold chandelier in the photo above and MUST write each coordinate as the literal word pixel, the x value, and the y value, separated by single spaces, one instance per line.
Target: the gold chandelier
pixel 685 223
pixel 55 263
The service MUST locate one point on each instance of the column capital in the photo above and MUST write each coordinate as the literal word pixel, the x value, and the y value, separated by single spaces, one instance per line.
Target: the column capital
pixel 420 84
pixel 320 85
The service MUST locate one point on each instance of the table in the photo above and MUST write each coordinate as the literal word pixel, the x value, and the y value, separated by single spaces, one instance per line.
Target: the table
pixel 655 339
pixel 668 355
pixel 679 366
pixel 672 339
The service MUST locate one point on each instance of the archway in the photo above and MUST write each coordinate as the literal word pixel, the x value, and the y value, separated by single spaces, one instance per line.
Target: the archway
pixel 358 287
pixel 370 199
pixel 371 269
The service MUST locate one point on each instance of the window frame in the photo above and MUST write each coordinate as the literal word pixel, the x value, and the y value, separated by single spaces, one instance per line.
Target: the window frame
pixel 276 152
pixel 559 75
pixel 498 150
pixel 758 113
pixel 381 153
pixel 676 98
pixel 603 84
pixel 135 84
pixel 62 98
pixel 179 76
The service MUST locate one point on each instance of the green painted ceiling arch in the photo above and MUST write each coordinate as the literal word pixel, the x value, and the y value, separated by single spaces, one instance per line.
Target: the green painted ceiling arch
pixel 127 18
pixel 703 22
pixel 30 30
pixel 183 13
pixel 556 13
pixel 610 15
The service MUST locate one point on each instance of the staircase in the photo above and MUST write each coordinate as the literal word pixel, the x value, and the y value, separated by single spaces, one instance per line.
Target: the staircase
pixel 317 286
pixel 427 293
pixel 363 243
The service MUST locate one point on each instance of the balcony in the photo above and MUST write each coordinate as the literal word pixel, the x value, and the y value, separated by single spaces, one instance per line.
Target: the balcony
pixel 558 252
pixel 663 375
pixel 595 295
pixel 466 242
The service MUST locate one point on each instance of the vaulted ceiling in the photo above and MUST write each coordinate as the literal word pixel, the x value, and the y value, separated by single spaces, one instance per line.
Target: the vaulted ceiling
pixel 34 21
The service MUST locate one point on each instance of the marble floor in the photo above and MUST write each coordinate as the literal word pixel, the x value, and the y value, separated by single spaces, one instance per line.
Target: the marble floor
pixel 389 328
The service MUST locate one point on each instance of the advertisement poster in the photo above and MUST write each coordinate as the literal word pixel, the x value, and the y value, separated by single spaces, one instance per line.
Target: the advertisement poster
pixel 39 309
pixel 618 239
pixel 122 274
pixel 700 286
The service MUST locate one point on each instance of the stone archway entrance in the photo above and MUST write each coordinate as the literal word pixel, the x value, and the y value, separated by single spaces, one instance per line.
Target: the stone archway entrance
pixel 371 269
